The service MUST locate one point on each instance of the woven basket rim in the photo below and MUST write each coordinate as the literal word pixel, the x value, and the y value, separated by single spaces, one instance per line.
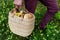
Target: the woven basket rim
pixel 23 19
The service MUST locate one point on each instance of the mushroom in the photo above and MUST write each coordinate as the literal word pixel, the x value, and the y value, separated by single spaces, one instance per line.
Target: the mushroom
pixel 20 14
pixel 13 10
pixel 28 16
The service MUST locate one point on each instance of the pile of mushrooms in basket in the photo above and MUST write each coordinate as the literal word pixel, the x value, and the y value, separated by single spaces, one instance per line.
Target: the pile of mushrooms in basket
pixel 21 22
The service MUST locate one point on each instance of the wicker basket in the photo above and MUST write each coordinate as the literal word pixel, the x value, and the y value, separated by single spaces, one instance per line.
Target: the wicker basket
pixel 20 26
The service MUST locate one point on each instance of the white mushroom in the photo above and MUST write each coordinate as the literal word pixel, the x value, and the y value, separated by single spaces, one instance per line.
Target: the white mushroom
pixel 28 16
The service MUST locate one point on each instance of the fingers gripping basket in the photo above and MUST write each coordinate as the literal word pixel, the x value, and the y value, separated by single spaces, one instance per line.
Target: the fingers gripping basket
pixel 20 26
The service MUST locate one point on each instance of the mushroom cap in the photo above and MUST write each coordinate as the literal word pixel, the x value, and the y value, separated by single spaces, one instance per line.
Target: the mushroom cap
pixel 28 16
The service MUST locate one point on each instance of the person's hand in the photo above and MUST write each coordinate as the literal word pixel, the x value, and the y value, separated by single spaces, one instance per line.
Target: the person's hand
pixel 18 2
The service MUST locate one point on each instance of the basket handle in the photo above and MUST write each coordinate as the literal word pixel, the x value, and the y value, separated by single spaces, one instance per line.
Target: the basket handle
pixel 20 7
